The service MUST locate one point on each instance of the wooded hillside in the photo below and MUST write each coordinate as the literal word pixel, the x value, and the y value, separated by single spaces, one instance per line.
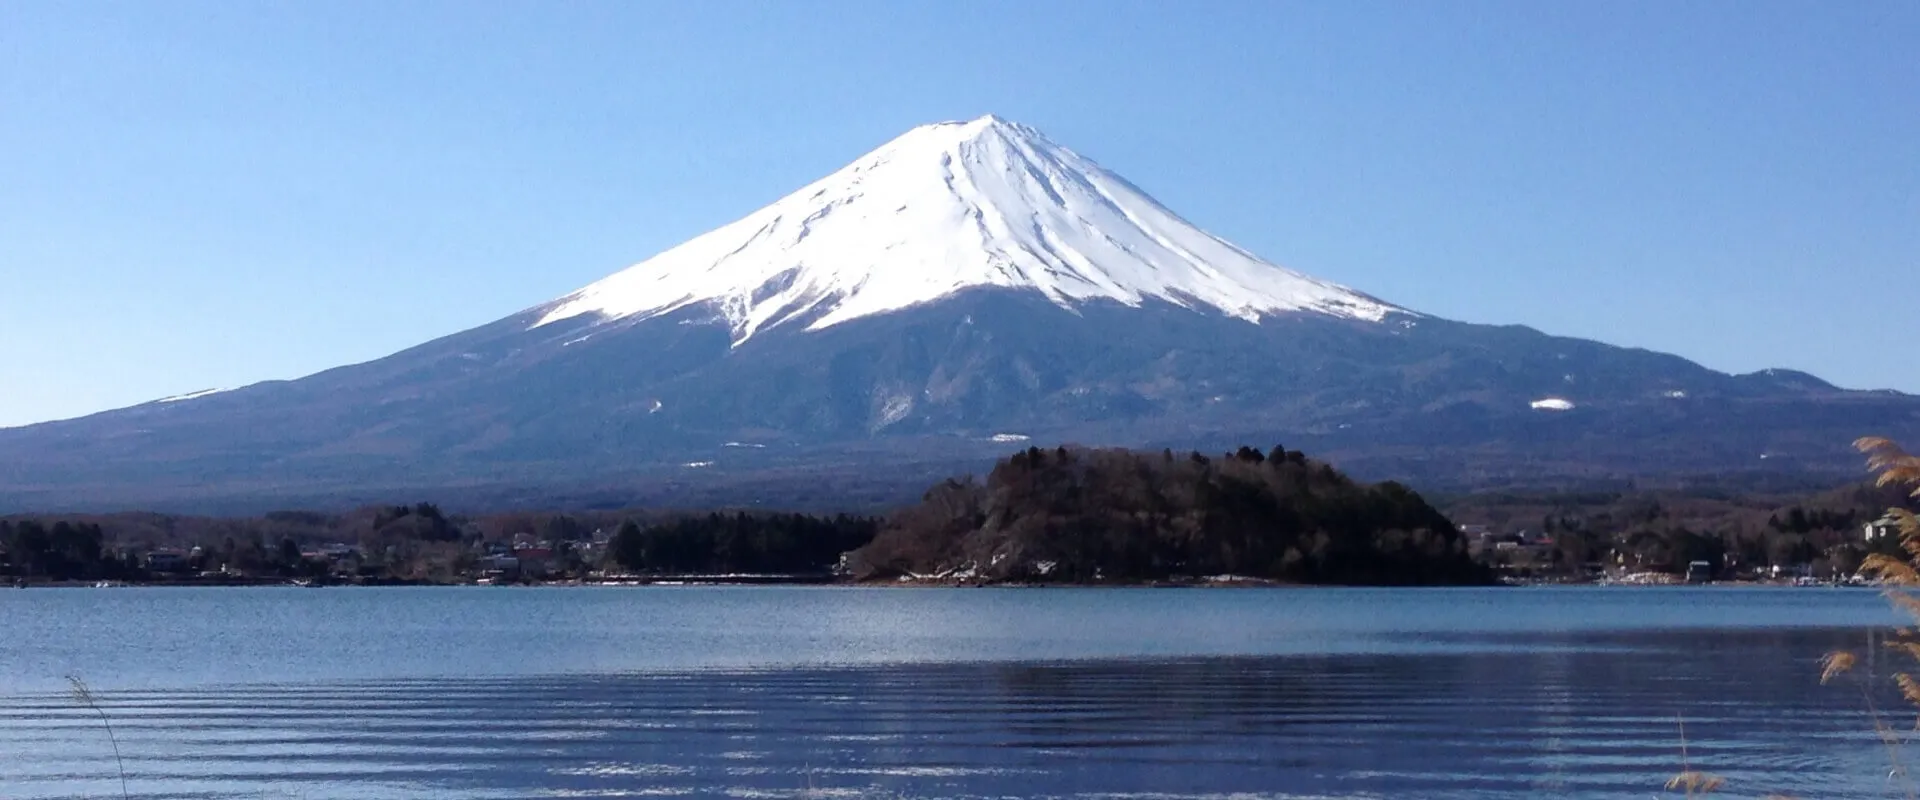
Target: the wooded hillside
pixel 1108 515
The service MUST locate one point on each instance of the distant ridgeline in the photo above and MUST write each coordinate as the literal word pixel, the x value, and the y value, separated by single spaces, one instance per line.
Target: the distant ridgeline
pixel 1108 515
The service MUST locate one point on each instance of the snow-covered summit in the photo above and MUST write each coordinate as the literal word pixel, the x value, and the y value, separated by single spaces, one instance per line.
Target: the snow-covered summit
pixel 949 207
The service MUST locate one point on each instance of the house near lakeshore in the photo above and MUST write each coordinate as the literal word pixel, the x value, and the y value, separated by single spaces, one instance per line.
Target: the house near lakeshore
pixel 1699 571
pixel 535 561
pixel 1882 527
pixel 167 559
pixel 339 558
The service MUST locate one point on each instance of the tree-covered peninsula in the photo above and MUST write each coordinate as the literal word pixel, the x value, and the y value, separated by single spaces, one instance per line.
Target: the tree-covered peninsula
pixel 1071 515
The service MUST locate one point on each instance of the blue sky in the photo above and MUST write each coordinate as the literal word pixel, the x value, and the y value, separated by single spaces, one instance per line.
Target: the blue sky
pixel 207 194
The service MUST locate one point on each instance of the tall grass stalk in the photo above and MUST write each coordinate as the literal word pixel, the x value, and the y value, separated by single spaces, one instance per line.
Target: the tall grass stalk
pixel 1838 663
pixel 1692 781
pixel 84 696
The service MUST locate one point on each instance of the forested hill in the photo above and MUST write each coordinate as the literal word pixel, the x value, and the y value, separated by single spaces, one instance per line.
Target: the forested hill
pixel 1109 515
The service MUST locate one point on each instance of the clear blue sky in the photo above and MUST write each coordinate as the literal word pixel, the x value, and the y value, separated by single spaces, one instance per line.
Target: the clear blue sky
pixel 207 194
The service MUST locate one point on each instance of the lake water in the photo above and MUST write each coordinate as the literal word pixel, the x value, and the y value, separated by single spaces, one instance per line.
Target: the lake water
pixel 835 692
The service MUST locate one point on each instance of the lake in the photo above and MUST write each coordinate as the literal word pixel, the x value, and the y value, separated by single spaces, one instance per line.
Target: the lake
pixel 838 692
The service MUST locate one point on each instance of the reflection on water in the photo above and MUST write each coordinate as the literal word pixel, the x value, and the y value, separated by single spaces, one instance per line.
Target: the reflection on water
pixel 184 638
pixel 1593 714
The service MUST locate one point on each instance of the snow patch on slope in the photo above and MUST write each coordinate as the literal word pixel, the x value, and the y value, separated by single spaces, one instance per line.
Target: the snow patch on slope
pixel 190 395
pixel 948 207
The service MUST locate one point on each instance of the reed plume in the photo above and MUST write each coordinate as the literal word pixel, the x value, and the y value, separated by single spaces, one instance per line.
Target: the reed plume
pixel 85 697
pixel 1695 783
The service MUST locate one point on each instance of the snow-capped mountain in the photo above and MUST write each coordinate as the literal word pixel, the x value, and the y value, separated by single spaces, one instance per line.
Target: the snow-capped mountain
pixel 946 208
pixel 966 288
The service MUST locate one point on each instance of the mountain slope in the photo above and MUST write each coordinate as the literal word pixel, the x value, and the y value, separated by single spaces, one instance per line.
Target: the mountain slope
pixel 962 287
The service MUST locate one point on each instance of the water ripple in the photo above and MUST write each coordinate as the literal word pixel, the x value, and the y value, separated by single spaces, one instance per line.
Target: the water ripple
pixel 1593 722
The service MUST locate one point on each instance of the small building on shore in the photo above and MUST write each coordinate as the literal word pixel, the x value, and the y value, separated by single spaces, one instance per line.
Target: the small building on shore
pixel 1881 528
pixel 1699 571
pixel 167 559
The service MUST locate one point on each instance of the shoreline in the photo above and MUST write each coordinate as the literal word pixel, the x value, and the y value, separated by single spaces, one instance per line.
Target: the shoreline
pixel 929 583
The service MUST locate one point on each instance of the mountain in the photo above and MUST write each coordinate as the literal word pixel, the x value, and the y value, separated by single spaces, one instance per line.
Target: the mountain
pixel 966 286
pixel 946 208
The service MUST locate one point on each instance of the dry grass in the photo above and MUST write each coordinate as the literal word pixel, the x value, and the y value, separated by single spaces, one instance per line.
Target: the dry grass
pixel 85 697
pixel 1693 782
